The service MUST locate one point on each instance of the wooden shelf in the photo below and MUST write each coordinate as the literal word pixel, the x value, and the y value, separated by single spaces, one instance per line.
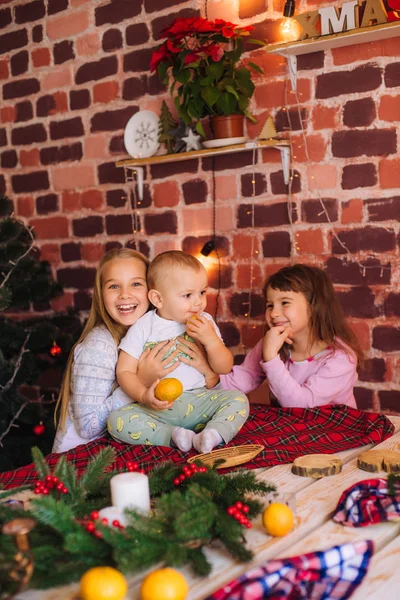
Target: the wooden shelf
pixel 337 40
pixel 168 158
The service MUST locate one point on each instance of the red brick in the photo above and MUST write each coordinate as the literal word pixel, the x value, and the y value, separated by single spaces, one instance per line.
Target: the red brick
pixel 389 108
pixel 242 246
pixel 71 201
pixel 386 338
pixel 106 92
pixel 7 114
pixel 92 252
pixel 359 175
pixel 310 241
pixel 325 117
pixel 29 158
pixel 315 151
pixel 377 239
pixel 51 228
pixel 352 211
pixel 243 273
pixel 364 398
pixel 373 142
pixel 51 253
pixel 92 199
pixel 362 332
pixel 4 70
pixel 25 206
pixel 41 57
pixel 373 370
pixel 351 54
pixel 251 334
pixel 166 194
pixel 63 302
pixel 389 173
pixel 61 100
pixel 244 306
pixel 389 400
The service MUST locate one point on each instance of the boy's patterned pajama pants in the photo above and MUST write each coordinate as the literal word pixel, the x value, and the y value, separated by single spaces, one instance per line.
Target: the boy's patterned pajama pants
pixel 225 411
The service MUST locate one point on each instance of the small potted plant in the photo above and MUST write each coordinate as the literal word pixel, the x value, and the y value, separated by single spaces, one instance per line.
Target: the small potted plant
pixel 200 60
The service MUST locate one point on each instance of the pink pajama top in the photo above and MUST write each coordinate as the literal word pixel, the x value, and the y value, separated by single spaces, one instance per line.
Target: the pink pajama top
pixel 326 378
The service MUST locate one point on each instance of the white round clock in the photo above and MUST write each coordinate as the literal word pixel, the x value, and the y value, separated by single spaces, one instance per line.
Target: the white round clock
pixel 141 134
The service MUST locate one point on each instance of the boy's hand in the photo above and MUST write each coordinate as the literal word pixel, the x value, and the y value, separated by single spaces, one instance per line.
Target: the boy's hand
pixel 201 330
pixel 149 399
pixel 198 360
pixel 274 340
pixel 153 365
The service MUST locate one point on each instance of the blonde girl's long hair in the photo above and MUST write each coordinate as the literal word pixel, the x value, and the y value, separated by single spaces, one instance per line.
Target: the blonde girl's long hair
pixel 98 316
pixel 327 319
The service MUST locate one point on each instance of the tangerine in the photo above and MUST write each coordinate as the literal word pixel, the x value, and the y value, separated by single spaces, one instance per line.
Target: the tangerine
pixel 278 519
pixel 168 389
pixel 164 584
pixel 103 583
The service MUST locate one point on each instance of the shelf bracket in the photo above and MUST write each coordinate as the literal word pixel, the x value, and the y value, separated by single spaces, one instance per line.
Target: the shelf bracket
pixel 139 179
pixel 285 158
pixel 292 66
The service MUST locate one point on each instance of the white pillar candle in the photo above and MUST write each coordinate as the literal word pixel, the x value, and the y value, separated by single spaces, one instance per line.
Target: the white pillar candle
pixel 113 513
pixel 131 490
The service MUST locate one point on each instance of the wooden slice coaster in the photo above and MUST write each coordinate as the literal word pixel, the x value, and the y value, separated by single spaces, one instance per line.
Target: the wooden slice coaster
pixel 379 460
pixel 316 465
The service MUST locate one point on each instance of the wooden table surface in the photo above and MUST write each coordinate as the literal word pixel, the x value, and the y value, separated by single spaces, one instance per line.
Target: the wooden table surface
pixel 315 530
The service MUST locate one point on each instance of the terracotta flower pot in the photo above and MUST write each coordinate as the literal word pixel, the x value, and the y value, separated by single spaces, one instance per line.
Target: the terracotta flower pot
pixel 226 127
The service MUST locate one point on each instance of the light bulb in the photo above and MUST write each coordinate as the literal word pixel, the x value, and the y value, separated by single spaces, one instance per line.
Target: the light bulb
pixel 289 29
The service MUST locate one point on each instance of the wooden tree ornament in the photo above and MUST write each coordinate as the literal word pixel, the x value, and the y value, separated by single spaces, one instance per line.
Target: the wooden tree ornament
pixel 268 130
pixel 316 465
pixel 374 461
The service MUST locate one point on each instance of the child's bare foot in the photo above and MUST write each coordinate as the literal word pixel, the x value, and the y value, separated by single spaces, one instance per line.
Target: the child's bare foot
pixel 206 440
pixel 183 438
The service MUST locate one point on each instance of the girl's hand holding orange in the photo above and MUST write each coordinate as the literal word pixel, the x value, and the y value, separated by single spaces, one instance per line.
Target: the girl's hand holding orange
pixel 274 340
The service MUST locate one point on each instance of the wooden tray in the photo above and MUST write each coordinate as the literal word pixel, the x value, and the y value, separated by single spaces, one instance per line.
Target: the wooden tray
pixel 236 455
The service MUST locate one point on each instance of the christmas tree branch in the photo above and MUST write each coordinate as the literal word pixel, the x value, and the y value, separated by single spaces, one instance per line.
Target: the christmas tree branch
pixel 15 263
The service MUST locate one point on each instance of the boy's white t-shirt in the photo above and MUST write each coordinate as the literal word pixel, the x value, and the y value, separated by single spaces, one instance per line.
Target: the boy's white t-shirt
pixel 152 329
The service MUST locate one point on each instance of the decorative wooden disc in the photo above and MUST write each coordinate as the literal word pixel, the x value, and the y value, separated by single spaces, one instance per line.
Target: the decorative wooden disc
pixel 316 465
pixel 379 460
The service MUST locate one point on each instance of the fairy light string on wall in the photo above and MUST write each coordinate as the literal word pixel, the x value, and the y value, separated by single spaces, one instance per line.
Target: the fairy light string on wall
pixel 324 211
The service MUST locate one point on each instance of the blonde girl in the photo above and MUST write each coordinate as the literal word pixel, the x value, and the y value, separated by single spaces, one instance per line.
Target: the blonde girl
pixel 308 355
pixel 88 391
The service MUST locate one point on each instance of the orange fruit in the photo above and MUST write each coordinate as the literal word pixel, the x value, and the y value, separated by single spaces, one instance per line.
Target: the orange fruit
pixel 168 389
pixel 164 584
pixel 103 583
pixel 278 519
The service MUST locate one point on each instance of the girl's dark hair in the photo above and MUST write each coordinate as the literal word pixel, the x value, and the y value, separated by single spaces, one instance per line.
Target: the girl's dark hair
pixel 327 320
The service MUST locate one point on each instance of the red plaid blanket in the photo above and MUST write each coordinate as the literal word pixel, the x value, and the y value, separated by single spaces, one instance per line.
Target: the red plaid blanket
pixel 285 433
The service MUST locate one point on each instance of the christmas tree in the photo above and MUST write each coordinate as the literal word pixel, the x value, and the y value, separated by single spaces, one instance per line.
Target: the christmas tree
pixel 167 123
pixel 34 345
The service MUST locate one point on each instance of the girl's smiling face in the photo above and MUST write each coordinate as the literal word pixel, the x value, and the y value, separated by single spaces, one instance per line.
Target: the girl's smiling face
pixel 288 309
pixel 124 290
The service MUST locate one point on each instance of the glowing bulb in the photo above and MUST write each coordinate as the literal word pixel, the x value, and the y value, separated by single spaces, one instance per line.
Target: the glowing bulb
pixel 289 29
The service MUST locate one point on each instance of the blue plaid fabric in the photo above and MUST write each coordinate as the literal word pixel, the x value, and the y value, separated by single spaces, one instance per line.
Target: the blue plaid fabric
pixel 331 574
pixel 368 502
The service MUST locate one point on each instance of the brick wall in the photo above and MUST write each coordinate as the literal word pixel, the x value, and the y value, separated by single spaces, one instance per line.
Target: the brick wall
pixel 72 72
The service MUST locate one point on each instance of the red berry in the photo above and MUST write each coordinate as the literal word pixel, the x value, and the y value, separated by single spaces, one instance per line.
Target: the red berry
pixel 55 479
pixel 116 523
pixel 98 534
pixel 59 486
pixel 65 490
pixel 36 491
pixel 177 481
pixel 48 479
pixel 193 467
pixel 231 510
pixel 141 471
pixel 135 465
pixel 94 515
pixel 239 505
pixel 182 477
pixel 104 521
pixel 45 491
pixel 248 525
pixel 90 527
pixel 245 508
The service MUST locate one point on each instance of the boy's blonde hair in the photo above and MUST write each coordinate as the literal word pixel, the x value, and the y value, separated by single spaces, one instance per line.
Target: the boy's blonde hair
pixel 98 316
pixel 166 260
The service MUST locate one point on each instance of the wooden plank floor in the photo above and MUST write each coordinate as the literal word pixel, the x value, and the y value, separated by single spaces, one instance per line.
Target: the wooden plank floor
pixel 315 530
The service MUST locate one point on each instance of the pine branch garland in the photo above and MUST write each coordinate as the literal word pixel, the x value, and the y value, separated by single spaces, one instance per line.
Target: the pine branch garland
pixel 184 520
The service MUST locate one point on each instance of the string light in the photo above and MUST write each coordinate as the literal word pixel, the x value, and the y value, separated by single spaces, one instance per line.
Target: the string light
pixel 350 255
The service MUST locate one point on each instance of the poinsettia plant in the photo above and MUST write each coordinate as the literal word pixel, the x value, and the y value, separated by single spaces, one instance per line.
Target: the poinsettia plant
pixel 200 60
